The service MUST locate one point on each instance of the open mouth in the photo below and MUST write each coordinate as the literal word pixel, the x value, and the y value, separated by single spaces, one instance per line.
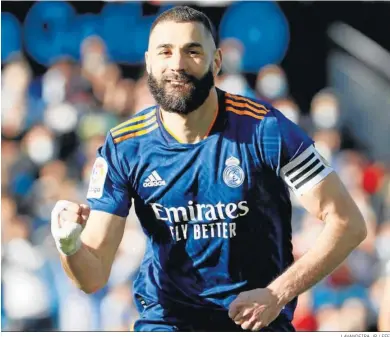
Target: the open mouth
pixel 177 82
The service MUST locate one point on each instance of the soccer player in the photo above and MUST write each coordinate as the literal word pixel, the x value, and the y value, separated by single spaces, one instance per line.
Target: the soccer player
pixel 209 175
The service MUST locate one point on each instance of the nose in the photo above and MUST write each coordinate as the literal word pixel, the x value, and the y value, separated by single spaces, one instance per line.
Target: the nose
pixel 177 61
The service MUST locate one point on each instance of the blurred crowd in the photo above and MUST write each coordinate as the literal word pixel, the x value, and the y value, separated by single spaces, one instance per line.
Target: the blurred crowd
pixel 51 128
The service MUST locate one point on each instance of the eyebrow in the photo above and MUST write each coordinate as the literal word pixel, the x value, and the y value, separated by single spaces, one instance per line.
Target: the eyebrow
pixel 188 45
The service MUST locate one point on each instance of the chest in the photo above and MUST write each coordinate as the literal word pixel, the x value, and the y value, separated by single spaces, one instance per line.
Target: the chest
pixel 221 171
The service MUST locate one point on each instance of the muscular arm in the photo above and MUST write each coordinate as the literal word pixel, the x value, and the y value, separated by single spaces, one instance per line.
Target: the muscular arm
pixel 344 230
pixel 89 268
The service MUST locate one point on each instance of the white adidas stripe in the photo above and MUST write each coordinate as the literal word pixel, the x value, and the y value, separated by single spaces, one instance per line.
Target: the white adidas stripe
pixel 154 180
pixel 305 171
pixel 156 175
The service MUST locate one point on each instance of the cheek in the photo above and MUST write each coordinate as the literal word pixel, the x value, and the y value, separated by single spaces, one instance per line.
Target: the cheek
pixel 156 67
pixel 199 69
pixel 201 64
pixel 158 77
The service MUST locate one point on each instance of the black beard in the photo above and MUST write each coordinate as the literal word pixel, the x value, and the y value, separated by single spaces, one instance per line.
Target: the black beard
pixel 179 101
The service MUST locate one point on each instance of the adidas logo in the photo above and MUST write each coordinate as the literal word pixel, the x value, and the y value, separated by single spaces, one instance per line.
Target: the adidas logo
pixel 154 179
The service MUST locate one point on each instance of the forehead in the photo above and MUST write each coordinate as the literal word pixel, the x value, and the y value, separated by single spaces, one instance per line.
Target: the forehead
pixel 178 33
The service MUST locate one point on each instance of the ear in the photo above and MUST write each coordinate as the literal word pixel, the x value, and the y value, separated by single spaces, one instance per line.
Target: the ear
pixel 217 63
pixel 147 62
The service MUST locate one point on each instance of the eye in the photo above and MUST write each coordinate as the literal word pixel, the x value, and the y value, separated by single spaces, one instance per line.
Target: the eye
pixel 193 52
pixel 164 52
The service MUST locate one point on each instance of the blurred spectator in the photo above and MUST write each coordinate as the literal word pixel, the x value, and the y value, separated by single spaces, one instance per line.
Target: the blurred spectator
pixel 117 309
pixel 272 83
pixel 19 111
pixel 289 108
pixel 325 110
pixel 304 318
pixel 232 51
pixel 40 145
pixel 119 97
pixel 142 96
pixel 93 57
pixel 231 78
pixel 28 304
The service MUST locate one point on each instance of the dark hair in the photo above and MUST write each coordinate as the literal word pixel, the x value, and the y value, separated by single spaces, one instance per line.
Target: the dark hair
pixel 185 14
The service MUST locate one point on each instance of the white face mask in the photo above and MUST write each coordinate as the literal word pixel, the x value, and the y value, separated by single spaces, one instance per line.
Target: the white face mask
pixel 61 118
pixel 272 86
pixel 231 63
pixel 53 91
pixel 41 149
pixel 290 112
pixel 236 84
pixel 325 116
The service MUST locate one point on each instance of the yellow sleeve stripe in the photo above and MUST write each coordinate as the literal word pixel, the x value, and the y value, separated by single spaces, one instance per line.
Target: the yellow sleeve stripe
pixel 136 134
pixel 134 120
pixel 134 127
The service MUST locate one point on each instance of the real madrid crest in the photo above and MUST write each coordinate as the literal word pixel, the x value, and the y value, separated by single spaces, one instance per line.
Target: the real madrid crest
pixel 233 174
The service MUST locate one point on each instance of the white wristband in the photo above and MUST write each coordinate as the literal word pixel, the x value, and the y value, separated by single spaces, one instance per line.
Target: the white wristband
pixel 67 236
pixel 67 247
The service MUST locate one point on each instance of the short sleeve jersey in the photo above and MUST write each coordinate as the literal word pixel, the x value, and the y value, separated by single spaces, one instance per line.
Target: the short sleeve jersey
pixel 217 214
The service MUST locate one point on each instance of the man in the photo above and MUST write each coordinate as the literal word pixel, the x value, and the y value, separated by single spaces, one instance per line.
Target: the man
pixel 208 173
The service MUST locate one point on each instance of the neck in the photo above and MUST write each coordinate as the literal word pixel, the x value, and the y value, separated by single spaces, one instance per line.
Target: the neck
pixel 195 126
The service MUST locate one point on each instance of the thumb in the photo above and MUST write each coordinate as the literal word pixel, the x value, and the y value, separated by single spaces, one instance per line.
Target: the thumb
pixel 85 211
pixel 234 308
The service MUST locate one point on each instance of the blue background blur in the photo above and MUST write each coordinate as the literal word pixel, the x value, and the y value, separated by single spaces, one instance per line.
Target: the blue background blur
pixel 72 71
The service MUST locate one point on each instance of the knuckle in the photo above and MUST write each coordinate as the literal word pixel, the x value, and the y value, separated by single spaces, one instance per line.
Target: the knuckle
pixel 74 207
pixel 69 216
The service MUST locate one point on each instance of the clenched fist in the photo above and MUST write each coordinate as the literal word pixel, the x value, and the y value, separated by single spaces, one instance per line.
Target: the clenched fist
pixel 255 309
pixel 67 222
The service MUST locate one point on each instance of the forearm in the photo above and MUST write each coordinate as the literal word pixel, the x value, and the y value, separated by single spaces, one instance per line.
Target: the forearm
pixel 85 269
pixel 332 247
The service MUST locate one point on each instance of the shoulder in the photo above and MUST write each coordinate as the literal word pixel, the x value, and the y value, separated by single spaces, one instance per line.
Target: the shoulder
pixel 252 111
pixel 139 125
pixel 248 108
pixel 254 114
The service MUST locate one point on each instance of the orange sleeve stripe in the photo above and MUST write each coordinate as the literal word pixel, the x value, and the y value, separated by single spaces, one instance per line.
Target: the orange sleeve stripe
pixel 241 98
pixel 246 113
pixel 246 106
pixel 134 127
pixel 134 119
pixel 136 134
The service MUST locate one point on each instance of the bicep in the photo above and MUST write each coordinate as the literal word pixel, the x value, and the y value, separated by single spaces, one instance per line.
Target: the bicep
pixel 330 199
pixel 103 233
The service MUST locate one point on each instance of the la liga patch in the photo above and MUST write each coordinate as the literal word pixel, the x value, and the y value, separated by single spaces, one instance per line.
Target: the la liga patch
pixel 98 178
